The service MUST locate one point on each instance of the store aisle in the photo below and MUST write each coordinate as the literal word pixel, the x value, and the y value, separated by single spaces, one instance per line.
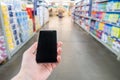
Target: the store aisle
pixel 83 57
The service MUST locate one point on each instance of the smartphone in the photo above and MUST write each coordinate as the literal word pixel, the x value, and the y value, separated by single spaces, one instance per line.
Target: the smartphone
pixel 47 47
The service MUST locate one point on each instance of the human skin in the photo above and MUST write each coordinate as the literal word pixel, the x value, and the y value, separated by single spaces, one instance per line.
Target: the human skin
pixel 30 70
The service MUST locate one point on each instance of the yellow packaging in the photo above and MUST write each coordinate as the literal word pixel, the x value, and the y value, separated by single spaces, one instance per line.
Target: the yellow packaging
pixel 6 23
pixel 101 26
pixel 11 46
pixel 9 35
pixel 6 17
pixel 7 28
pixel 4 7
pixel 110 17
pixel 9 41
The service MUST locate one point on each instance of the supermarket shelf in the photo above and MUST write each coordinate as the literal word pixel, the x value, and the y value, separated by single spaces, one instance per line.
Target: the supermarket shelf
pixel 83 10
pixel 105 22
pixel 85 4
pixel 85 16
pixel 98 11
pixel 100 1
pixel 113 11
pixel 2 25
pixel 116 53
pixel 19 47
pixel 81 26
pixel 108 11
pixel 77 16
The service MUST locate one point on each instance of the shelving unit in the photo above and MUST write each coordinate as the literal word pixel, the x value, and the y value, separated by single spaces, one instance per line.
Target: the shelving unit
pixel 18 25
pixel 42 13
pixel 100 1
pixel 13 27
pixel 3 42
pixel 102 23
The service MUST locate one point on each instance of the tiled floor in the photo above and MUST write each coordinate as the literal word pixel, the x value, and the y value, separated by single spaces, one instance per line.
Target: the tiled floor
pixel 83 57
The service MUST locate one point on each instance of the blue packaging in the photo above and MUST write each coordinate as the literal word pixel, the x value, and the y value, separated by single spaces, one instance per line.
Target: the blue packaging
pixel 13 26
pixel 11 20
pixel 16 37
pixel 17 42
pixel 11 14
pixel 9 7
pixel 96 25
pixel 15 32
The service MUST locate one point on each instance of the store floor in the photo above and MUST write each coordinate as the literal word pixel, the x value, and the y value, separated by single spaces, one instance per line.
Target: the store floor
pixel 83 57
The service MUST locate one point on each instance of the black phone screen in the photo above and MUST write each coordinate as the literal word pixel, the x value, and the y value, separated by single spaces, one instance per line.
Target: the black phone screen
pixel 47 47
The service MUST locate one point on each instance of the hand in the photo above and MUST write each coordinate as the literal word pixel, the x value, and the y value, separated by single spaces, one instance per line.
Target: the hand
pixel 30 70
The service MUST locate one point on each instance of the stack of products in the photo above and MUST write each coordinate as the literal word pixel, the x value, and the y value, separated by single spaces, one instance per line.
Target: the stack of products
pixel 17 24
pixel 108 11
pixel 31 19
pixel 113 5
pixel 84 22
pixel 104 22
pixel 7 26
pixel 107 33
pixel 22 19
pixel 81 13
pixel 3 50
pixel 84 8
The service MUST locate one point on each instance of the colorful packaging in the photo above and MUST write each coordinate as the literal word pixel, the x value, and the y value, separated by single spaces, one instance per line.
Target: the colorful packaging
pixel 96 25
pixel 101 26
pixel 108 29
pixel 118 45
pixel 104 38
pixel 106 17
pixel 115 32
pixel 114 18
pixel 99 34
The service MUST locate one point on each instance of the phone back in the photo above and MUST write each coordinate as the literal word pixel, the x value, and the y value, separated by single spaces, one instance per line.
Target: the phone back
pixel 47 47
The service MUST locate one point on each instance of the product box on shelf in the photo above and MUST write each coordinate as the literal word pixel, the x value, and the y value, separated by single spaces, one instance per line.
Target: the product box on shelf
pixel 104 38
pixel 115 32
pixel 108 29
pixel 96 25
pixel 101 15
pixel 114 45
pixel 118 21
pixel 118 7
pixel 106 17
pixel 92 24
pixel 92 30
pixel 117 45
pixel 110 41
pixel 113 17
pixel 37 23
pixel 31 19
pixel 101 26
pixel 87 27
pixel 99 34
pixel 3 49
pixel 93 14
